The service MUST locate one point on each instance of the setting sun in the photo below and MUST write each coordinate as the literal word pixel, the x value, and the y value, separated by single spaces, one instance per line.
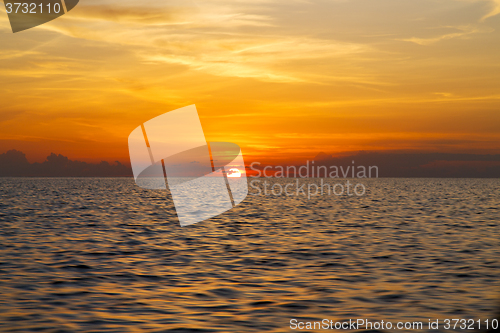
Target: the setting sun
pixel 234 173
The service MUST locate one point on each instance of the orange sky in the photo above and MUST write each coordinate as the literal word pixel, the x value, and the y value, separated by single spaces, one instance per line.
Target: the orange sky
pixel 283 79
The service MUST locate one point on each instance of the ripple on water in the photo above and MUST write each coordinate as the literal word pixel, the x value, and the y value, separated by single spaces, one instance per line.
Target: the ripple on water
pixel 102 255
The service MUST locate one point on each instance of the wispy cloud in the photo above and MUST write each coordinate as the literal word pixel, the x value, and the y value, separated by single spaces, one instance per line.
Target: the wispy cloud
pixel 219 40
pixel 493 7
pixel 306 68
pixel 494 11
pixel 182 14
pixel 256 57
pixel 464 32
pixel 131 14
pixel 11 54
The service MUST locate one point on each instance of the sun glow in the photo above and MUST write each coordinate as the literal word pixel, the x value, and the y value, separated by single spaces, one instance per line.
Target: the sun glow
pixel 234 173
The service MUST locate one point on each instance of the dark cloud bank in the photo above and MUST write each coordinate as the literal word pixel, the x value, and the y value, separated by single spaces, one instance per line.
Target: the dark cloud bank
pixel 424 165
pixel 433 165
pixel 14 164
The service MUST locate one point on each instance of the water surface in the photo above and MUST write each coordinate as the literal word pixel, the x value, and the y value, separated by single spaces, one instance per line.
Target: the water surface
pixel 103 255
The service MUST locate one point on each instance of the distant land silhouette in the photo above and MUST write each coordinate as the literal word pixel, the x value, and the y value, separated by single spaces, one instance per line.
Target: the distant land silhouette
pixel 412 165
pixel 421 165
pixel 14 163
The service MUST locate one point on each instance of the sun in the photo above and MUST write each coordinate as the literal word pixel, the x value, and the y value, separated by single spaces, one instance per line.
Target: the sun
pixel 234 173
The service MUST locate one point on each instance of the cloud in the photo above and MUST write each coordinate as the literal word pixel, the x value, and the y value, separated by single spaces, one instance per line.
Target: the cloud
pixel 255 57
pixel 225 40
pixel 4 55
pixel 13 163
pixel 494 7
pixel 494 11
pixel 465 32
pixel 131 14
pixel 280 66
pixel 185 13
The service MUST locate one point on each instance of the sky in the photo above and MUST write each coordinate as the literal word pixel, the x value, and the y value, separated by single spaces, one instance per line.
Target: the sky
pixel 285 80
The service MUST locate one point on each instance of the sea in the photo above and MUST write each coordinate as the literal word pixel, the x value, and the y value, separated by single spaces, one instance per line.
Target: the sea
pixel 103 255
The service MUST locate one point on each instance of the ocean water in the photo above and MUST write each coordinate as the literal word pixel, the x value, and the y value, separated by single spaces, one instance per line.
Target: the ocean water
pixel 103 255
